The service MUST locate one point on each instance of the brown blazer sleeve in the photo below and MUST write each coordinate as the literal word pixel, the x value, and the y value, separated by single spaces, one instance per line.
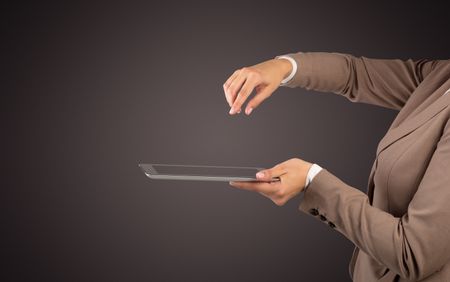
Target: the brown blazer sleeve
pixel 387 83
pixel 414 245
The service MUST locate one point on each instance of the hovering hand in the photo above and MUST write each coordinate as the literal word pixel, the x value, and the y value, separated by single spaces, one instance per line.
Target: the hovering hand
pixel 264 78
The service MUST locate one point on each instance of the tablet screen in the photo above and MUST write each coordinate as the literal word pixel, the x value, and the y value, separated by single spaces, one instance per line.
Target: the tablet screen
pixel 206 171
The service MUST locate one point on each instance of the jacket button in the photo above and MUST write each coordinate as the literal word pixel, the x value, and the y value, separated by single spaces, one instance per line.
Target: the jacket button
pixel 314 212
pixel 331 224
pixel 322 217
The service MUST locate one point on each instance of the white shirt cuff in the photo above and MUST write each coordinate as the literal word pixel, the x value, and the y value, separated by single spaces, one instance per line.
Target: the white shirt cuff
pixel 294 68
pixel 313 171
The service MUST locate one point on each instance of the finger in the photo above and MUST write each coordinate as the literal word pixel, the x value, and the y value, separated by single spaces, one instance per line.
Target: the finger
pixel 259 98
pixel 246 90
pixel 229 95
pixel 234 88
pixel 262 187
pixel 268 174
pixel 227 84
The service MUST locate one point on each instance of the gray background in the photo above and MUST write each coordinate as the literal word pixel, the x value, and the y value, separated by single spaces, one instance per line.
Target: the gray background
pixel 89 91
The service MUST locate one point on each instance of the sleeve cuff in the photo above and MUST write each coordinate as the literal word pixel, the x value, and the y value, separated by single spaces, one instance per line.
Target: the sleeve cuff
pixel 312 172
pixel 333 202
pixel 293 72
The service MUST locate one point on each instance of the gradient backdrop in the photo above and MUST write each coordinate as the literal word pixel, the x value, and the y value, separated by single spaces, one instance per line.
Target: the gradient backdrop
pixel 89 91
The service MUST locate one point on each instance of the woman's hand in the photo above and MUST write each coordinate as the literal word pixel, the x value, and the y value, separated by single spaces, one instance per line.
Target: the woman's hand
pixel 264 78
pixel 292 174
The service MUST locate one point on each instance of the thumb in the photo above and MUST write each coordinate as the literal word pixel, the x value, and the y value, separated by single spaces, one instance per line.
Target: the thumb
pixel 268 174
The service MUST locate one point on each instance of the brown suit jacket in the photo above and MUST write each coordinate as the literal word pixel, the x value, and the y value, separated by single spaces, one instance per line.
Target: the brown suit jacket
pixel 401 228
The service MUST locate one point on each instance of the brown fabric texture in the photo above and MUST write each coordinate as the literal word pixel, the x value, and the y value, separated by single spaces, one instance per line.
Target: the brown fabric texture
pixel 401 227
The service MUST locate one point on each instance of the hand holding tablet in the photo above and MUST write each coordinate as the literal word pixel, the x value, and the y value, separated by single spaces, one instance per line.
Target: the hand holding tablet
pixel 279 183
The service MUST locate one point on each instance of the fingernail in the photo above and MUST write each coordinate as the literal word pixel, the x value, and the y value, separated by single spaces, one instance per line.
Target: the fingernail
pixel 260 175
pixel 232 111
pixel 249 111
pixel 239 111
pixel 231 183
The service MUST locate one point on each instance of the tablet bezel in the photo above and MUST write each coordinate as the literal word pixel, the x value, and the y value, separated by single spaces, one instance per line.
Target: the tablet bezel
pixel 152 173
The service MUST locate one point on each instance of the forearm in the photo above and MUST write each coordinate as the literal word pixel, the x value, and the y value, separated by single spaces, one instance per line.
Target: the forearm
pixel 326 72
pixel 387 83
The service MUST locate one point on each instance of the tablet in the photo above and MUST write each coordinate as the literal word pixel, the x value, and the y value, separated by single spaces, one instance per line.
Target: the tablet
pixel 198 172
